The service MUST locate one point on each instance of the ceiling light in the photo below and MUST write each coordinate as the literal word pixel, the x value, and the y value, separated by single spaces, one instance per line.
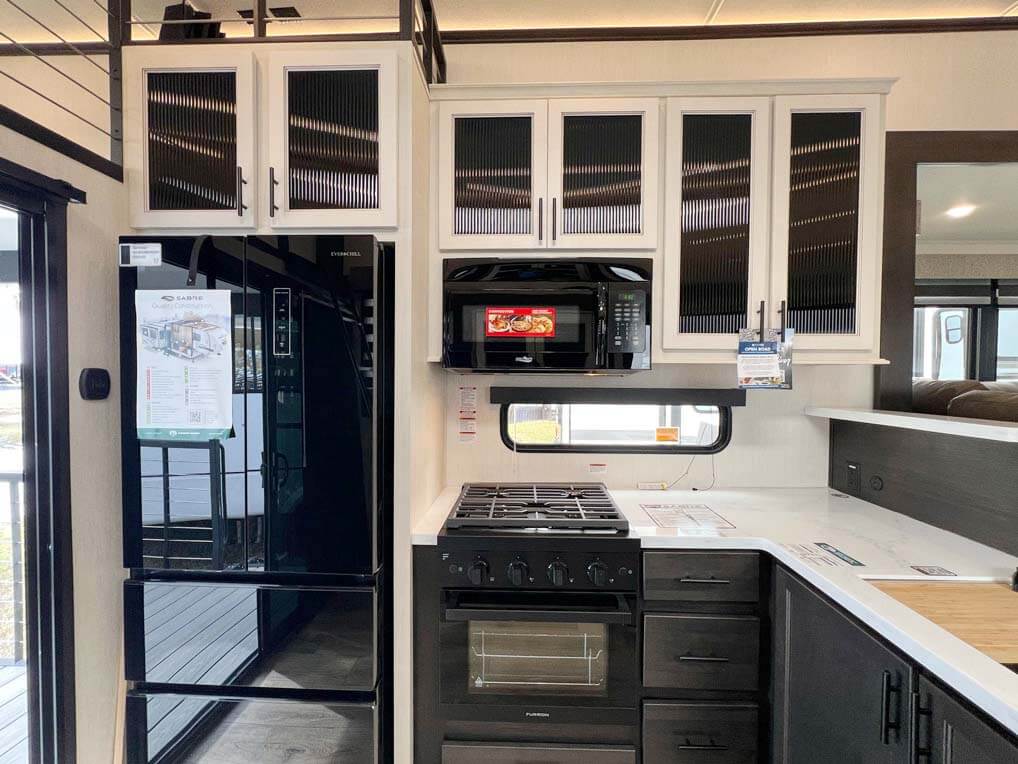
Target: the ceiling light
pixel 961 211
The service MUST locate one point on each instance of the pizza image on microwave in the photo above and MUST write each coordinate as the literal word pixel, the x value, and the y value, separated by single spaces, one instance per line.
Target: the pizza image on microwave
pixel 519 322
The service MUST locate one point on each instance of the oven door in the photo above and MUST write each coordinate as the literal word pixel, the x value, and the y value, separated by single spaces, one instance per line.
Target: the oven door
pixel 538 655
pixel 546 326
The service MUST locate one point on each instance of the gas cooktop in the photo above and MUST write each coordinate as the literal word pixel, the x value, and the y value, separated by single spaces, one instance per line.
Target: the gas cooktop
pixel 536 507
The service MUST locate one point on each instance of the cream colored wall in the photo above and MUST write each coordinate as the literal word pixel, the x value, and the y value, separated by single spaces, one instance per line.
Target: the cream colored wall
pixel 773 443
pixel 41 77
pixel 946 81
pixel 92 231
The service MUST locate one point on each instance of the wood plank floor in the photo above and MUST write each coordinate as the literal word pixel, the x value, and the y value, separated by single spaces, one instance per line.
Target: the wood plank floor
pixel 13 715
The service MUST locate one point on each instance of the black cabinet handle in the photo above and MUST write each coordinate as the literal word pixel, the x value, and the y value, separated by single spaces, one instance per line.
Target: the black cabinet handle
pixel 554 219
pixel 887 726
pixel 701 659
pixel 272 192
pixel 784 319
pixel 917 751
pixel 690 580
pixel 763 318
pixel 711 747
pixel 540 219
pixel 240 191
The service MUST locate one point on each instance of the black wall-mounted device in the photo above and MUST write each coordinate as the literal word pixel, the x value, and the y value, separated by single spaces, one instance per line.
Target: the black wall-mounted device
pixel 94 384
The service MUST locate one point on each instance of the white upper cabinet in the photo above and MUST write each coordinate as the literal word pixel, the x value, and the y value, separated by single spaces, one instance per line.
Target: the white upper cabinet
pixel 559 174
pixel 332 139
pixel 827 219
pixel 717 216
pixel 603 173
pixel 192 162
pixel 492 170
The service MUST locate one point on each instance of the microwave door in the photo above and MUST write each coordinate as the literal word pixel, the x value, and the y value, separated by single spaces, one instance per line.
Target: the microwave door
pixel 524 326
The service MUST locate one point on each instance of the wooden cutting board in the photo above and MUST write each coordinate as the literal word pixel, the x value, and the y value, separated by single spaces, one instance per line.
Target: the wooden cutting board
pixel 983 614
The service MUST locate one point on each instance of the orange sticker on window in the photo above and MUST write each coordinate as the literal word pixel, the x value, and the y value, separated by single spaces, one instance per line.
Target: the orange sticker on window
pixel 666 435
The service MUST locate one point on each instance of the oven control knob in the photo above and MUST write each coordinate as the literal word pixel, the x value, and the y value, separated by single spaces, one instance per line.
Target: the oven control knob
pixel 558 573
pixel 518 573
pixel 597 572
pixel 478 572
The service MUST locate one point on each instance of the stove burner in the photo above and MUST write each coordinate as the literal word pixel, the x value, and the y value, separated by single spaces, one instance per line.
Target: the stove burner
pixel 523 506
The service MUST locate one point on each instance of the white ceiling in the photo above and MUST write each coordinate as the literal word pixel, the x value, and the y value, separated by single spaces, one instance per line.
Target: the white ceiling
pixel 493 14
pixel 991 188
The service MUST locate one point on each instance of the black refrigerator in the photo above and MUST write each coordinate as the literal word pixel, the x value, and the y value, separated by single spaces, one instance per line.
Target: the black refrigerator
pixel 258 608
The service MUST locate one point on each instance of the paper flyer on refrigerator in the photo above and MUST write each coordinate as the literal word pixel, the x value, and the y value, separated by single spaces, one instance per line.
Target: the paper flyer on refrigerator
pixel 185 364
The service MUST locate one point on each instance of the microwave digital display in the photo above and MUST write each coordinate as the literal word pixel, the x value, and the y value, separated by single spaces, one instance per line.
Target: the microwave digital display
pixel 519 322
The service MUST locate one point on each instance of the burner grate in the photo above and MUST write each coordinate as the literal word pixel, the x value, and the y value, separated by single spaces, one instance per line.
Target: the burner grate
pixel 575 506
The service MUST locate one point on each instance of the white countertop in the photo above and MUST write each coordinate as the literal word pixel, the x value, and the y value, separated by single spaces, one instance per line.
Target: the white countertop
pixel 985 429
pixel 778 521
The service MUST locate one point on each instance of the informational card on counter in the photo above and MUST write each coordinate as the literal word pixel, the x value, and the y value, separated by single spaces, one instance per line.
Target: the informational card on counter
pixel 765 364
pixel 185 364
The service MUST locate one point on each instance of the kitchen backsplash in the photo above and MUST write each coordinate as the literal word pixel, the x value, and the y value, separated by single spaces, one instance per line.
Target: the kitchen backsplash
pixel 773 442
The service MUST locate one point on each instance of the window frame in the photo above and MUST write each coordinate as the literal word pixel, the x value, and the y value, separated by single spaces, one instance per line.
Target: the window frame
pixel 723 441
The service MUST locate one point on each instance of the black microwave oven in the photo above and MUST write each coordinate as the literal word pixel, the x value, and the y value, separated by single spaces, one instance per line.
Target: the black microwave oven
pixel 580 315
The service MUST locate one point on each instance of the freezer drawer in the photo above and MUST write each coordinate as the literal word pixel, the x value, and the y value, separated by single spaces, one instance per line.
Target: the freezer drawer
pixel 247 635
pixel 536 753
pixel 204 729
pixel 690 652
pixel 688 733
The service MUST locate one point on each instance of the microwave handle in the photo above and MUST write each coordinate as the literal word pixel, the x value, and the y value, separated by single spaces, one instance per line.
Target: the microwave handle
pixel 624 615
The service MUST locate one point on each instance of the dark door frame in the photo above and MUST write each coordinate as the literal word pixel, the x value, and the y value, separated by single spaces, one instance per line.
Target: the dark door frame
pixel 905 150
pixel 49 571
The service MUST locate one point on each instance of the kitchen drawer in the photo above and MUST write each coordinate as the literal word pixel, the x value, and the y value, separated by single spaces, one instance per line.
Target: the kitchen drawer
pixel 227 634
pixel 692 652
pixel 537 753
pixel 701 576
pixel 687 733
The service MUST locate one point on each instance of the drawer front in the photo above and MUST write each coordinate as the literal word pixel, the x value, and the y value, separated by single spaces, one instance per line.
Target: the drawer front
pixel 688 652
pixel 701 576
pixel 187 729
pixel 688 733
pixel 536 753
pixel 247 635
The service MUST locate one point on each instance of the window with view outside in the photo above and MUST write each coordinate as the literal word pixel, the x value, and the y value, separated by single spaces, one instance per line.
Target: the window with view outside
pixel 575 425
pixel 1007 344
pixel 941 347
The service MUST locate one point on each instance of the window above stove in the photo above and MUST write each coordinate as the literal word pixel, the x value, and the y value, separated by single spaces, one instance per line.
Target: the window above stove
pixel 616 427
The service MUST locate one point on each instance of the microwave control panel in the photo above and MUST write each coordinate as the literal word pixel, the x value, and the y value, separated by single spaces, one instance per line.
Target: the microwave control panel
pixel 627 321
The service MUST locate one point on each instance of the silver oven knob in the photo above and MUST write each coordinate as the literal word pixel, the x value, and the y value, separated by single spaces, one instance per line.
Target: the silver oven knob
pixel 518 573
pixel 558 573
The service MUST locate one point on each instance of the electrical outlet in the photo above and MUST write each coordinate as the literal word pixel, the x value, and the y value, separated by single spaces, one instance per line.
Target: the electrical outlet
pixel 854 483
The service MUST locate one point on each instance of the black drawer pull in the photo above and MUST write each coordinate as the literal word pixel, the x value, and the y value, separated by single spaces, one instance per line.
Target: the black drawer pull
pixel 711 747
pixel 887 726
pixel 703 580
pixel 701 659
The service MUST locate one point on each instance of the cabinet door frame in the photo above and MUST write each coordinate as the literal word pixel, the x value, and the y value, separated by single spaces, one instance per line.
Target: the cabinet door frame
pixel 870 222
pixel 448 112
pixel 279 63
pixel 650 110
pixel 156 60
pixel 759 109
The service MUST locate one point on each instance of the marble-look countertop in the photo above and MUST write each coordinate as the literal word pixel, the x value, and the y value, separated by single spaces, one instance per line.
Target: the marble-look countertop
pixel 788 524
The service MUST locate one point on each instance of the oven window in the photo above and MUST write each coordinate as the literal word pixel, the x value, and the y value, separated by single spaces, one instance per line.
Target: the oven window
pixel 537 658
pixel 616 427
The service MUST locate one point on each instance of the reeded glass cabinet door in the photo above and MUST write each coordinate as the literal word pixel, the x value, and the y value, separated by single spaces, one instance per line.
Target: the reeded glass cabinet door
pixel 826 233
pixel 492 175
pixel 332 139
pixel 716 244
pixel 192 163
pixel 603 173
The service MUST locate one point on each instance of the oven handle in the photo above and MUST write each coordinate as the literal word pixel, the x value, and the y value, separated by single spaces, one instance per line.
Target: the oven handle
pixel 624 614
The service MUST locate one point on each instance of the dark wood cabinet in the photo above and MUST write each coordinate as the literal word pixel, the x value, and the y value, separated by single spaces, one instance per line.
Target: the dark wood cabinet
pixel 839 693
pixel 948 733
pixel 693 732
pixel 701 576
pixel 701 652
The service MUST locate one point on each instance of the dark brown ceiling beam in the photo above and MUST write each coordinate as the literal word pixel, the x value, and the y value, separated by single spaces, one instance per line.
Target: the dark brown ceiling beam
pixel 57 49
pixel 730 31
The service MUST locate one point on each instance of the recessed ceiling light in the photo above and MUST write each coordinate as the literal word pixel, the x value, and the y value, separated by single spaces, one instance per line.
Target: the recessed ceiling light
pixel 961 211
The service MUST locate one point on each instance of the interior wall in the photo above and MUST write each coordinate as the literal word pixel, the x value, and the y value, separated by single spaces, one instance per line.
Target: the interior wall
pixel 92 231
pixel 945 81
pixel 967 266
pixel 773 443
